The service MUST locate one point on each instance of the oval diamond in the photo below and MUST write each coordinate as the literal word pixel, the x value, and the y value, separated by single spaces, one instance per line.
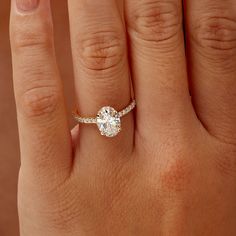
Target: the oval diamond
pixel 108 122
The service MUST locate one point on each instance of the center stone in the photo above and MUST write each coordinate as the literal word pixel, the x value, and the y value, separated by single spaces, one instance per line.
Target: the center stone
pixel 108 122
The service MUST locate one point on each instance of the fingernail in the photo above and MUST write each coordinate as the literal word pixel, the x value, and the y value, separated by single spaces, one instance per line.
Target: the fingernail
pixel 27 5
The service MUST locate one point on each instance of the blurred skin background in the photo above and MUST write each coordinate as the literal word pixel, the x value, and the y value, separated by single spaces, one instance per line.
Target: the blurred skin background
pixel 9 147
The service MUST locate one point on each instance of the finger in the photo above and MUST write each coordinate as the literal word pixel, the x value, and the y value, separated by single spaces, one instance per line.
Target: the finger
pixel 158 64
pixel 212 50
pixel 44 134
pixel 75 137
pixel 101 68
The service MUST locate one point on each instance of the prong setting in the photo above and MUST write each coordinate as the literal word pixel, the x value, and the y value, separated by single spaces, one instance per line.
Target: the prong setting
pixel 108 122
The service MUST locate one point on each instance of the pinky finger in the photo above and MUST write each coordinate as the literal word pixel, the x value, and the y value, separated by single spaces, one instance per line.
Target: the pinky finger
pixel 44 134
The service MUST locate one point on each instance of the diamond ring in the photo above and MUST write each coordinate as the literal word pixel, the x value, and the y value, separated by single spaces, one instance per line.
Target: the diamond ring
pixel 108 120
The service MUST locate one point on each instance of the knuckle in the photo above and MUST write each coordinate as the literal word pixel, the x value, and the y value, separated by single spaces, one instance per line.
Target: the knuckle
pixel 102 50
pixel 156 21
pixel 216 33
pixel 39 101
pixel 27 35
pixel 176 175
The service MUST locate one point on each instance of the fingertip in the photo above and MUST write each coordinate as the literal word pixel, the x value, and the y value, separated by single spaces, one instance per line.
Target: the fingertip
pixel 26 5
pixel 29 7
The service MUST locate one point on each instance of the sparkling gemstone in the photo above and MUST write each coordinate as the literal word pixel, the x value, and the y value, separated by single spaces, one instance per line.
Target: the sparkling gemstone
pixel 108 122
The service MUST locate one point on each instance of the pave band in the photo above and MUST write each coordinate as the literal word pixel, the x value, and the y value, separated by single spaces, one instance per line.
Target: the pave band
pixel 93 120
pixel 108 119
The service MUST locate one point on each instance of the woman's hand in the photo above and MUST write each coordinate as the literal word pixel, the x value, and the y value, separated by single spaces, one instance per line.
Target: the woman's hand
pixel 172 169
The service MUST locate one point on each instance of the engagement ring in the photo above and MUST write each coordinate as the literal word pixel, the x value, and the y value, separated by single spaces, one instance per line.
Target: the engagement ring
pixel 108 120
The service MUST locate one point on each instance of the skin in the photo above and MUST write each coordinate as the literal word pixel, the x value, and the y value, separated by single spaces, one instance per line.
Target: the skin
pixel 9 148
pixel 171 171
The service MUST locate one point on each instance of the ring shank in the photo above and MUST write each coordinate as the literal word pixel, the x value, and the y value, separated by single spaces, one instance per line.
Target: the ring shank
pixel 93 120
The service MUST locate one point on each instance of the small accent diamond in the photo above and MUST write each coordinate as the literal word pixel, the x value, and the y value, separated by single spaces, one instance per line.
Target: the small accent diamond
pixel 108 122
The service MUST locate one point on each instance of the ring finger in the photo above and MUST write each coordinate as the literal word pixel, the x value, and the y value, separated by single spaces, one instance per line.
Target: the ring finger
pixel 101 68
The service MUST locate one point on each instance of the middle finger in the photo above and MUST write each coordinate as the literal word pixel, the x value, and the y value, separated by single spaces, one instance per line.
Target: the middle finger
pixel 158 65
